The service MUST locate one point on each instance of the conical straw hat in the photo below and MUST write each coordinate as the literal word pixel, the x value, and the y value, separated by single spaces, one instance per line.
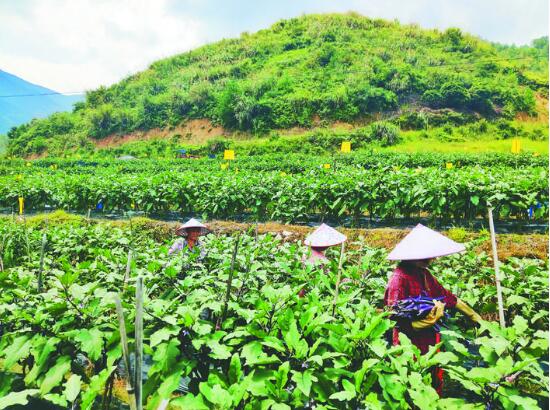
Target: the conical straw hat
pixel 325 236
pixel 191 223
pixel 424 243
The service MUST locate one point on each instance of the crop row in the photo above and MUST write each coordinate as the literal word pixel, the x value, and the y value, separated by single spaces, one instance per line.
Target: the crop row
pixel 457 193
pixel 294 163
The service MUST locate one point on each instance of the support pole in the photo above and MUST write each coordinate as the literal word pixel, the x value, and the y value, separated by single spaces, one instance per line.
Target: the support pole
pixel 340 262
pixel 41 268
pixel 497 270
pixel 139 342
pixel 125 354
pixel 229 282
pixel 128 268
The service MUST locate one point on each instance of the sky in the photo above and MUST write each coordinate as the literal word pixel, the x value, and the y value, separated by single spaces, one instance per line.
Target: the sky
pixel 77 45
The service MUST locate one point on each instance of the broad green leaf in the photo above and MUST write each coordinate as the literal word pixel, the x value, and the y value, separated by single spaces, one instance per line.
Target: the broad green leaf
pixel 72 387
pixel 46 349
pixel 304 381
pixel 347 394
pixel 422 394
pixel 216 395
pixel 162 335
pixel 14 398
pixel 189 401
pixel 54 376
pixel 16 351
pixel 219 351
pixel 91 342
pixel 235 371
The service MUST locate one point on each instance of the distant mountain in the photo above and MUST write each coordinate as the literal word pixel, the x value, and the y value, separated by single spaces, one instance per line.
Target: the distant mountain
pixel 28 105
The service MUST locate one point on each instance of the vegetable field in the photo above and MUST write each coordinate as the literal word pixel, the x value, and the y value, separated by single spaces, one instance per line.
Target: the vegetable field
pixel 266 348
pixel 289 189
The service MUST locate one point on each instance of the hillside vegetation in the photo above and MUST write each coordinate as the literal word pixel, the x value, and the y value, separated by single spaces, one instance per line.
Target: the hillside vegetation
pixel 316 69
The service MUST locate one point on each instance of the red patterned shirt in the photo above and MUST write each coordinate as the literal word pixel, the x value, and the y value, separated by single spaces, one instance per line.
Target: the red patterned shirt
pixel 407 282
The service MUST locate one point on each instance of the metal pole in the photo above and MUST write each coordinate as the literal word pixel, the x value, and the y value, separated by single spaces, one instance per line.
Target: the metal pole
pixel 340 262
pixel 125 354
pixel 497 270
pixel 139 342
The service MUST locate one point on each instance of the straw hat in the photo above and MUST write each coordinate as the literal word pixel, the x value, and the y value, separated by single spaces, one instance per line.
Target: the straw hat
pixel 325 236
pixel 424 243
pixel 191 223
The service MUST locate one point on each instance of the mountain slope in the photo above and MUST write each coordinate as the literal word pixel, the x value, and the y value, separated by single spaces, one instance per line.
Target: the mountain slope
pixel 312 69
pixel 18 110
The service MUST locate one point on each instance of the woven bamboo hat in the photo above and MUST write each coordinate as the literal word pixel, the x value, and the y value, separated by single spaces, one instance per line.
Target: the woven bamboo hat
pixel 191 223
pixel 325 236
pixel 424 243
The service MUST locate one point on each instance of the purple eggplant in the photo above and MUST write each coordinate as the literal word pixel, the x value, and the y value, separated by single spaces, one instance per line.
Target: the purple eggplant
pixel 415 308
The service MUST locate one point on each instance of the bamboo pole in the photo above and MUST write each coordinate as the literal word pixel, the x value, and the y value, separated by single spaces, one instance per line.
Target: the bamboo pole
pixel 41 268
pixel 125 354
pixel 229 281
pixel 139 342
pixel 340 262
pixel 128 268
pixel 497 270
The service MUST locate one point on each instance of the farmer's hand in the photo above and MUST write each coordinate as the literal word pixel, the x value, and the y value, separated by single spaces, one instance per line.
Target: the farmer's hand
pixel 435 314
pixel 468 311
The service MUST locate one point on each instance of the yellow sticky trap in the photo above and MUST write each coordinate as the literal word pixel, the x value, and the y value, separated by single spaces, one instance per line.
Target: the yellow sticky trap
pixel 21 205
pixel 449 165
pixel 516 146
pixel 396 168
pixel 228 154
pixel 326 166
pixel 224 166
pixel 133 206
pixel 346 146
pixel 29 164
pixel 283 174
pixel 18 177
pixel 418 170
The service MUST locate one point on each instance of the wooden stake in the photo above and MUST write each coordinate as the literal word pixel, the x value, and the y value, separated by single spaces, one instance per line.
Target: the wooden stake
pixel 41 268
pixel 125 354
pixel 139 342
pixel 229 281
pixel 497 270
pixel 340 262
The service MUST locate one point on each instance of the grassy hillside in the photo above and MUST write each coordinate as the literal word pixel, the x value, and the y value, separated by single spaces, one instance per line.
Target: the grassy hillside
pixel 312 70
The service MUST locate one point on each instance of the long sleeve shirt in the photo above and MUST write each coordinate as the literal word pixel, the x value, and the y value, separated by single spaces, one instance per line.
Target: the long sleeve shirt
pixel 411 282
pixel 181 243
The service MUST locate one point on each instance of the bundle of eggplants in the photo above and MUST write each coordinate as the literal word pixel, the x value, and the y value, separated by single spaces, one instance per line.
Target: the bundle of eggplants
pixel 415 308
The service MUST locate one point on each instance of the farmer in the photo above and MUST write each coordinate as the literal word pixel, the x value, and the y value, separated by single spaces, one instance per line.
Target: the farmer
pixel 319 241
pixel 412 278
pixel 189 232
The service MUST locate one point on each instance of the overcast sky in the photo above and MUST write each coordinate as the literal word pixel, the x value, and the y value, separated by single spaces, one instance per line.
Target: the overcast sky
pixel 74 45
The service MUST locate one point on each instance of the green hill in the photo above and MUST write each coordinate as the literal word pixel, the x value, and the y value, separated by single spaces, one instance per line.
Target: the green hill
pixel 316 69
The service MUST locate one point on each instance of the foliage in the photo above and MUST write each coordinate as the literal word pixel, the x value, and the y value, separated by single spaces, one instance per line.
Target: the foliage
pixel 287 191
pixel 327 67
pixel 273 349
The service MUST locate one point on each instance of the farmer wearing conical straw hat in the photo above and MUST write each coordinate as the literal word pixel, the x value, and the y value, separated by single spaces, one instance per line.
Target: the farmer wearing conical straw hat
pixel 190 233
pixel 320 240
pixel 412 279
